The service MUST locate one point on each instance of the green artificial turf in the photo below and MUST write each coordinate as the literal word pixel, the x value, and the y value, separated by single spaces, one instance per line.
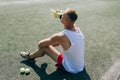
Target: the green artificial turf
pixel 23 25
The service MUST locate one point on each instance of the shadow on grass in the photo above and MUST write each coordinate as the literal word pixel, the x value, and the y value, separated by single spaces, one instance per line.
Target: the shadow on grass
pixel 56 75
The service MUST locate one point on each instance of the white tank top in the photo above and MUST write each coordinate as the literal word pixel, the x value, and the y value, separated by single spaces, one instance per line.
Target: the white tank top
pixel 73 60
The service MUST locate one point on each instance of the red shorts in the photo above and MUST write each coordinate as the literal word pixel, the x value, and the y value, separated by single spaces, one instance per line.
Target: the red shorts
pixel 59 62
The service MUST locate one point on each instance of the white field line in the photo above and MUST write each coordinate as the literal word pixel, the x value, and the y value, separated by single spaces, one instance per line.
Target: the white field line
pixel 113 73
pixel 17 2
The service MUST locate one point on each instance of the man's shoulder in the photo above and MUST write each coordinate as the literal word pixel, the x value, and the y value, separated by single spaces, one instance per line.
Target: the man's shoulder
pixel 59 34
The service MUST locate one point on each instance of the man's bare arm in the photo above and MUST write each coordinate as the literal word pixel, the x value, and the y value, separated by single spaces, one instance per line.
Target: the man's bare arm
pixel 53 40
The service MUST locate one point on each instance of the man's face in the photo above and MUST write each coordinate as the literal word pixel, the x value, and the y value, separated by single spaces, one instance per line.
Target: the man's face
pixel 65 19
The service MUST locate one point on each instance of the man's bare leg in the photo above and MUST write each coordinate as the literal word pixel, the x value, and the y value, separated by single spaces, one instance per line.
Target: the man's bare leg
pixel 37 53
pixel 50 51
pixel 33 55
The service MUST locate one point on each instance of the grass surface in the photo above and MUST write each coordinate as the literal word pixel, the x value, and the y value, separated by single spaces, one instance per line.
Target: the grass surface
pixel 23 25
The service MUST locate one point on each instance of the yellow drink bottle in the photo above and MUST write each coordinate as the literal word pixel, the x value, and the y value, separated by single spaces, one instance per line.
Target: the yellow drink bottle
pixel 55 14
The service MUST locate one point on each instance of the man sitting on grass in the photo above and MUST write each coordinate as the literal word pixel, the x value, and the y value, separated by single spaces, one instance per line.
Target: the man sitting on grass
pixel 71 41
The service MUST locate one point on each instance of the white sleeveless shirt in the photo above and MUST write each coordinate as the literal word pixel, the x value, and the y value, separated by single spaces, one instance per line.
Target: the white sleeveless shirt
pixel 73 60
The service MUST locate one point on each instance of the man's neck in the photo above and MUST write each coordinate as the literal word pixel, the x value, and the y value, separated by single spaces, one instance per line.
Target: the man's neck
pixel 71 27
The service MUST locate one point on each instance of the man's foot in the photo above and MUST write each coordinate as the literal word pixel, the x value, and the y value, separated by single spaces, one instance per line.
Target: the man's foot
pixel 25 55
